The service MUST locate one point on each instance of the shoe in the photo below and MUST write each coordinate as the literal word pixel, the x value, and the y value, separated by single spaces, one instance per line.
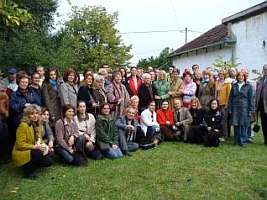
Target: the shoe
pixel 127 153
pixel 222 139
pixel 31 176
pixel 250 140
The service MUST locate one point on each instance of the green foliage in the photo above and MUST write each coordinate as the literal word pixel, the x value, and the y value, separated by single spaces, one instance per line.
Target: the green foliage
pixel 11 15
pixel 162 61
pixel 220 63
pixel 92 31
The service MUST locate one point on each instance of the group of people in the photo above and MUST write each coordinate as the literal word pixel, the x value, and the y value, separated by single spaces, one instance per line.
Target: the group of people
pixel 113 113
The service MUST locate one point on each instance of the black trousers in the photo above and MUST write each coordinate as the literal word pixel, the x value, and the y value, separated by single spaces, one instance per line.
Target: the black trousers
pixel 4 138
pixel 264 125
pixel 37 160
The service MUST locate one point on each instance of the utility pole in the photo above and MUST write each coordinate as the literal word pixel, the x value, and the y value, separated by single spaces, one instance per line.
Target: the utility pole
pixel 185 37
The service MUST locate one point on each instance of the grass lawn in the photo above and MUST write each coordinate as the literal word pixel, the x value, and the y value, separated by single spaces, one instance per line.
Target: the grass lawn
pixel 170 171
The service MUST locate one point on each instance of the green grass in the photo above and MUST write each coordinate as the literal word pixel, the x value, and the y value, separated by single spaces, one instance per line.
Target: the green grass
pixel 171 171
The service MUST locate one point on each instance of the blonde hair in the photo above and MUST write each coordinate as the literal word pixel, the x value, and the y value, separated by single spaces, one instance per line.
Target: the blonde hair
pixel 198 102
pixel 28 110
pixel 132 99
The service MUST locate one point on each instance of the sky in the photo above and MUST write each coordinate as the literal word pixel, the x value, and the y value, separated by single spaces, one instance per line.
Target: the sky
pixel 161 15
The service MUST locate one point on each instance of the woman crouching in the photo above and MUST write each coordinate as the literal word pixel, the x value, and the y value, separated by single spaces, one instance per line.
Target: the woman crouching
pixel 29 151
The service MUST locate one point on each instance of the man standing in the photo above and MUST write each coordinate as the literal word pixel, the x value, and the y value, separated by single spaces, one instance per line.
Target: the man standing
pixel 261 101
pixel 10 81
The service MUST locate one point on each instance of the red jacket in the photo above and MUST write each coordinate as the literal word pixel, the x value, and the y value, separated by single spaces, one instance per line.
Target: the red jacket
pixel 163 116
pixel 131 87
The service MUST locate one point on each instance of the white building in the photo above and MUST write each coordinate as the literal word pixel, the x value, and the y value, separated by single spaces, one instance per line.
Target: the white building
pixel 242 37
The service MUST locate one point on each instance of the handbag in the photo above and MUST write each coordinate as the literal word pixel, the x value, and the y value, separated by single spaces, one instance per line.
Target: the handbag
pixel 256 127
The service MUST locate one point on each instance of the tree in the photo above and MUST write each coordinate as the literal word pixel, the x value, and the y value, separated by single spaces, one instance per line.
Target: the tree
pixel 91 30
pixel 162 61
pixel 221 63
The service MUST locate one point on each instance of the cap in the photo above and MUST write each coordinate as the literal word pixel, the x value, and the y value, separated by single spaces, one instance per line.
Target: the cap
pixel 12 70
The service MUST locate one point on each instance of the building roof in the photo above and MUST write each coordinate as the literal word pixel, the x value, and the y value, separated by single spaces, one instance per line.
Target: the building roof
pixel 216 35
pixel 252 11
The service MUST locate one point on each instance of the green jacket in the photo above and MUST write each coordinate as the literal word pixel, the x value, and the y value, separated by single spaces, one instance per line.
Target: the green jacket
pixel 106 130
pixel 161 88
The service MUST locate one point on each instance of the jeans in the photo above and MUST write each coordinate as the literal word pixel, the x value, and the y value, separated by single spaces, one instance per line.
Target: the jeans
pixel 113 153
pixel 240 135
pixel 64 155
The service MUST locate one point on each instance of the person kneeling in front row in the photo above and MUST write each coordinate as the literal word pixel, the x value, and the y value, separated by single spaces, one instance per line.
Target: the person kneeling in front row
pixel 127 126
pixel 29 151
pixel 107 133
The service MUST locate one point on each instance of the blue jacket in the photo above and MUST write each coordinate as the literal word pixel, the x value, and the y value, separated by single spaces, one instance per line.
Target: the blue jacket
pixel 17 104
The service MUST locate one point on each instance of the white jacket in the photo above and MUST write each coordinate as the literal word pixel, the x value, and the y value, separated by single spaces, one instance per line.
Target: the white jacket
pixel 147 119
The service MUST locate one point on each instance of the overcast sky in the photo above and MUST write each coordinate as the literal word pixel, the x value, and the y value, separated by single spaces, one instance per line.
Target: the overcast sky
pixel 152 15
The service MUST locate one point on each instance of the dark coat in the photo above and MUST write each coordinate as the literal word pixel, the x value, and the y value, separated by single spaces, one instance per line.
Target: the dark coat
pixel 17 104
pixel 261 92
pixel 241 104
pixel 197 115
pixel 51 100
pixel 145 95
pixel 87 95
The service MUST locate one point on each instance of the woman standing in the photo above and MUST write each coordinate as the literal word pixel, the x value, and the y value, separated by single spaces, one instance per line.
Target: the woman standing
pixel 50 94
pixel 176 86
pixel 70 147
pixel 107 134
pixel 117 95
pixel 241 106
pixel 134 82
pixel 29 151
pixel 86 125
pixel 68 90
pixel 206 89
pixel 86 93
pixel 189 89
pixel 161 88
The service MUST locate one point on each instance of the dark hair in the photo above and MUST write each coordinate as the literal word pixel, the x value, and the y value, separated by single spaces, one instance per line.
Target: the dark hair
pixel 87 71
pixel 187 73
pixel 80 101
pixel 151 102
pixel 44 109
pixel 165 100
pixel 115 73
pixel 68 72
pixel 103 105
pixel 51 69
pixel 4 104
pixel 22 75
pixel 66 107
pixel 209 104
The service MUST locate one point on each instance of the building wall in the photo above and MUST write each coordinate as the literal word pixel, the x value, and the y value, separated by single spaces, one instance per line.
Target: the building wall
pixel 250 34
pixel 203 59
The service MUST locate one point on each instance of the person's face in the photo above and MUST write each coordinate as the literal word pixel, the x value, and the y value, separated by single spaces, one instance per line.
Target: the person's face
pixel 153 76
pixel 135 102
pixel 147 80
pixel 221 76
pixel 45 116
pixel 198 75
pixel 134 71
pixel 99 84
pixel 150 69
pixel 165 105
pixel 122 72
pixel 232 72
pixel 152 107
pixel 131 114
pixel 214 105
pixel 241 77
pixel 206 77
pixel 139 72
pixel 34 116
pixel 69 114
pixel 194 104
pixel 161 76
pixel 89 80
pixel 53 75
pixel 170 70
pixel 12 77
pixel 175 74
pixel 71 77
pixel 23 83
pixel 105 110
pixel 187 78
pixel 36 79
pixel 195 67
pixel 177 104
pixel 40 71
pixel 82 108
pixel 118 78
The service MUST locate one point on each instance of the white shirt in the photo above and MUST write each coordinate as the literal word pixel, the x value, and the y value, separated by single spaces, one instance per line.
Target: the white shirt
pixel 148 119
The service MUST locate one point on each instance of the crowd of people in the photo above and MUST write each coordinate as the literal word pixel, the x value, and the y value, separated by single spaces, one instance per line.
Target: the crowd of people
pixel 113 113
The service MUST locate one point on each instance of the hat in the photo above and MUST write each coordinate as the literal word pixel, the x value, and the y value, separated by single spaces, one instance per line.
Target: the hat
pixel 12 70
